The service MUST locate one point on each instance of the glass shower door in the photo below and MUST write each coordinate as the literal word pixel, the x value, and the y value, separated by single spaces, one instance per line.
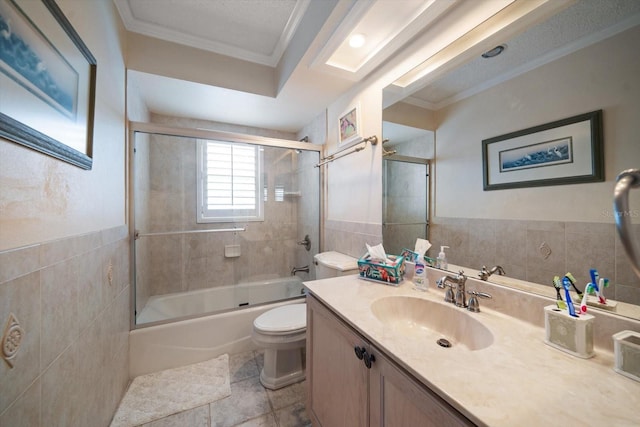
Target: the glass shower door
pixel 405 202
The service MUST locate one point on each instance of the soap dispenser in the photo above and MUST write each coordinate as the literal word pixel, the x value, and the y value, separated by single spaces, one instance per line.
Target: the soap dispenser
pixel 441 261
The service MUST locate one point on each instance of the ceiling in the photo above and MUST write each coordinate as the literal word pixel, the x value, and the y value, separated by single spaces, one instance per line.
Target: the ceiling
pixel 584 23
pixel 268 32
pixel 256 31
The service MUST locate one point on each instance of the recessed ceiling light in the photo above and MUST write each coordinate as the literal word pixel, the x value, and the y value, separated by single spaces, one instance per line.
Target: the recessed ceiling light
pixel 357 40
pixel 495 51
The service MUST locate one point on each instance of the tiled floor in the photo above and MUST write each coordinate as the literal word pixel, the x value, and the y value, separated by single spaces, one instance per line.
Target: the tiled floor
pixel 250 404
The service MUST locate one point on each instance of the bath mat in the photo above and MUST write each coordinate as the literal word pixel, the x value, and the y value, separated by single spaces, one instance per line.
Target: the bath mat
pixel 160 394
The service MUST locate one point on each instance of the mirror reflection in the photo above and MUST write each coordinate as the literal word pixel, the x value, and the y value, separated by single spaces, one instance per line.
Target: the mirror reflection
pixel 405 175
pixel 559 68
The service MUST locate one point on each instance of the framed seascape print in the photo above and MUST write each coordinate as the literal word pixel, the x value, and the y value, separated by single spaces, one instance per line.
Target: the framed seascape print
pixel 47 82
pixel 349 125
pixel 568 151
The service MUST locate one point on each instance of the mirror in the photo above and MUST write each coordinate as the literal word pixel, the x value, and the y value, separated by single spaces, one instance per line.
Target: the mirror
pixel 405 185
pixel 584 58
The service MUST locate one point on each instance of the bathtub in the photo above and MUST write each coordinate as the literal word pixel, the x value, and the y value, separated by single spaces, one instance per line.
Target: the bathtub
pixel 201 301
pixel 183 342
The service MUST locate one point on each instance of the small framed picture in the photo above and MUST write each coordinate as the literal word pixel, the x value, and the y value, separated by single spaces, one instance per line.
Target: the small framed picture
pixel 349 126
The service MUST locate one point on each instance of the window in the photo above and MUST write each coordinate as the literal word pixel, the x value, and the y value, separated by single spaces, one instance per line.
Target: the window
pixel 229 182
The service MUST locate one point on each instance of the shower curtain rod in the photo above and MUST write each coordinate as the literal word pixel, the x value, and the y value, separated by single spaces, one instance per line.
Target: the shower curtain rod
pixel 372 139
pixel 169 233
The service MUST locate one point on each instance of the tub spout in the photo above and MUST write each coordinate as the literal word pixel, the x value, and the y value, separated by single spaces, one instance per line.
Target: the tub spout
pixel 484 273
pixel 294 270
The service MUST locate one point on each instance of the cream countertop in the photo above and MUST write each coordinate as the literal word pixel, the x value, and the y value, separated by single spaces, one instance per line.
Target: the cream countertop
pixel 518 380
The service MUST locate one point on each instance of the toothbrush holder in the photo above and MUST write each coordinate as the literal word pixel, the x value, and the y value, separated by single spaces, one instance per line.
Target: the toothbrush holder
pixel 573 335
pixel 626 347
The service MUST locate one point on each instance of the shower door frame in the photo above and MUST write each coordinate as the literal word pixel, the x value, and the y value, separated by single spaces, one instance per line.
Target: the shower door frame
pixel 159 129
pixel 413 160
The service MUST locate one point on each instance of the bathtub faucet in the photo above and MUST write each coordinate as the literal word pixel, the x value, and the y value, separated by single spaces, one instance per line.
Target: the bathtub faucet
pixel 306 243
pixel 294 270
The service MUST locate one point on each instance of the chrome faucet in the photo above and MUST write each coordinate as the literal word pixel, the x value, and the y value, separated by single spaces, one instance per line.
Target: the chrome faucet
pixel 294 270
pixel 460 296
pixel 484 273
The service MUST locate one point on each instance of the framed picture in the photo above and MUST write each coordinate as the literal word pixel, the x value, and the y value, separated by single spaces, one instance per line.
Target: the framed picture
pixel 568 151
pixel 349 125
pixel 47 81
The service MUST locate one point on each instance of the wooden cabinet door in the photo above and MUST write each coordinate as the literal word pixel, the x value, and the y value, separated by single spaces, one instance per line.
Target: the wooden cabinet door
pixel 398 400
pixel 338 386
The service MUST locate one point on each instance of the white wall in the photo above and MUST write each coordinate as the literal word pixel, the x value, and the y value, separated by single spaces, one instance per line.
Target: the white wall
pixel 354 182
pixel 603 76
pixel 42 198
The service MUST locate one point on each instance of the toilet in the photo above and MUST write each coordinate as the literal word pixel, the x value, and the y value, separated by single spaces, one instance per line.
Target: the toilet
pixel 282 331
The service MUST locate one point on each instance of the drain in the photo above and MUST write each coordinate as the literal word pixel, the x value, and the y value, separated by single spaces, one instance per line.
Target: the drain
pixel 443 342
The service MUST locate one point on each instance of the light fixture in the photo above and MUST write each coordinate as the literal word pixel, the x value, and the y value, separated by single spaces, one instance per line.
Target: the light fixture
pixel 495 51
pixel 357 40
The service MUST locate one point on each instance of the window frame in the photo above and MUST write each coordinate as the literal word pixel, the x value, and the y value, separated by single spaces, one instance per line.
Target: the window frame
pixel 206 215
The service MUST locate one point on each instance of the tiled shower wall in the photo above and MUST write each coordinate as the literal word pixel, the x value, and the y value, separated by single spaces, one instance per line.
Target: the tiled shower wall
pixel 71 297
pixel 166 201
pixel 184 262
pixel 308 220
pixel 309 210
pixel 142 190
pixel 404 205
pixel 538 250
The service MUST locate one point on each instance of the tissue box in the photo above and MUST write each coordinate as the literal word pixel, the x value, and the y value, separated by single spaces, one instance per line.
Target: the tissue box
pixel 383 273
pixel 573 335
pixel 626 347
pixel 409 255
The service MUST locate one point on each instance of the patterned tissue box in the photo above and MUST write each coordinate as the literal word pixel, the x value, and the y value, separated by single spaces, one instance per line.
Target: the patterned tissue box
pixel 375 271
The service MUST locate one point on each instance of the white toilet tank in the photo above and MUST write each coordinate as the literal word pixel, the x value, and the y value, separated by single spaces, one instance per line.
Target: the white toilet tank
pixel 334 264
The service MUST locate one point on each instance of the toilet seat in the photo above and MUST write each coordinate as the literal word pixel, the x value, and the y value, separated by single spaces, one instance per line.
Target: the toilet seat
pixel 284 320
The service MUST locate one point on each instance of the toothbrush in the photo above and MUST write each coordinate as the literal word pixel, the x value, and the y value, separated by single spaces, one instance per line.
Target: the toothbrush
pixel 556 284
pixel 604 283
pixel 572 280
pixel 566 282
pixel 583 304
pixel 595 279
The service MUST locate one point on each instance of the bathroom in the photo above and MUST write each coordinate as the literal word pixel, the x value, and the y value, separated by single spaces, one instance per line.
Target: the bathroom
pixel 64 232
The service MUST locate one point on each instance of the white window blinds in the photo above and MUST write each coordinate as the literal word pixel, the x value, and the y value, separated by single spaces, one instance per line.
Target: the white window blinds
pixel 230 182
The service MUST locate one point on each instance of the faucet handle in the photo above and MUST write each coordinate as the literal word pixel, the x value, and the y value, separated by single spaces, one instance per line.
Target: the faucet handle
pixel 448 294
pixel 474 305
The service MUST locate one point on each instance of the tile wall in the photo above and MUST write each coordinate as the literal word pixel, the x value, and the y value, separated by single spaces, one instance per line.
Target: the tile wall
pixel 71 297
pixel 536 251
pixel 166 201
pixel 404 205
pixel 351 237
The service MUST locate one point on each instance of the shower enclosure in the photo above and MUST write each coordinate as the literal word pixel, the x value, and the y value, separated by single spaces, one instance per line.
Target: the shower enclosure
pixel 405 202
pixel 405 185
pixel 217 219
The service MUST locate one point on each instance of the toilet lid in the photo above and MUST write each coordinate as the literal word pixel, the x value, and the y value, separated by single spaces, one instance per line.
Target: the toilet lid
pixel 285 318
pixel 337 260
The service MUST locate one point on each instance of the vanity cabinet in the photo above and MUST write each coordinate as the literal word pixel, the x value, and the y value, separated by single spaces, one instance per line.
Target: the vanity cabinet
pixel 352 383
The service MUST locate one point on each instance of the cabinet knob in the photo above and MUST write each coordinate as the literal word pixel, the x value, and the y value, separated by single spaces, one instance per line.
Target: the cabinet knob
pixel 360 351
pixel 368 359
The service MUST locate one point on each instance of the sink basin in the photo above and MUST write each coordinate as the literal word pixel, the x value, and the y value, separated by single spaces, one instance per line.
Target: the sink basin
pixel 425 319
